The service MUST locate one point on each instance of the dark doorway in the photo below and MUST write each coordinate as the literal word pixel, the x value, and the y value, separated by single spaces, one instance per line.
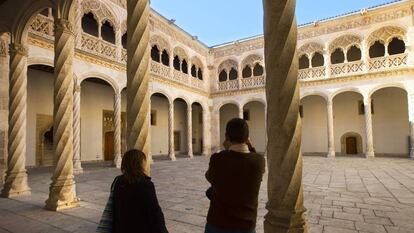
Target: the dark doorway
pixel 351 146
pixel 109 146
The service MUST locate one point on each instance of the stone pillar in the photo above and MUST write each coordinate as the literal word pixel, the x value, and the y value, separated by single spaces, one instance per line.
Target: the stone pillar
pixel 16 176
pixel 62 194
pixel 411 120
pixel 190 130
pixel 241 110
pixel 207 133
pixel 331 136
pixel 365 56
pixel 117 130
pixel 77 164
pixel 369 153
pixel 138 94
pixel 171 149
pixel 410 45
pixel 286 212
pixel 327 61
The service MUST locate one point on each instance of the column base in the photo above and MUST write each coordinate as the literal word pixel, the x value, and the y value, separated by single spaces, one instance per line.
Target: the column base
pixel 15 185
pixel 77 168
pixel 62 196
pixel 117 161
pixel 370 155
pixel 412 153
pixel 331 154
pixel 191 155
pixel 285 222
pixel 172 157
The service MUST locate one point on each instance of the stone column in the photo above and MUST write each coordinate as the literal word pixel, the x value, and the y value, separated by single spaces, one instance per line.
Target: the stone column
pixel 77 164
pixel 190 130
pixel 369 153
pixel 62 194
pixel 138 95
pixel 331 136
pixel 286 212
pixel 16 175
pixel 411 120
pixel 410 45
pixel 327 61
pixel 241 110
pixel 207 134
pixel 171 149
pixel 117 130
pixel 365 56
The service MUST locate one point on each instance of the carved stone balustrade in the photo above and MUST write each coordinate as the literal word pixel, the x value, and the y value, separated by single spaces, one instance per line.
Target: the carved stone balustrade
pixel 253 82
pixel 42 26
pixel 98 47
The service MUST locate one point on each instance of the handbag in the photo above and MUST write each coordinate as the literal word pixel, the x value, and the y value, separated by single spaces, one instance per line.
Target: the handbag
pixel 106 223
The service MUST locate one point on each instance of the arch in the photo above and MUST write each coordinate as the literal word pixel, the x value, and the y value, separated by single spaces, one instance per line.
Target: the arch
pixel 90 24
pixel 101 11
pixel 254 99
pixel 359 145
pixel 252 60
pixel 185 99
pixel 161 43
pixel 396 46
pixel 108 31
pixel 317 60
pixel 222 104
pixel 161 92
pixel 310 48
pixel 181 53
pixel 227 65
pixel 40 61
pixel 344 90
pixel 323 95
pixel 195 60
pixel 377 49
pixel 388 85
pixel 200 103
pixel 385 35
pixel 354 54
pixel 101 76
pixel 344 42
pixel 304 62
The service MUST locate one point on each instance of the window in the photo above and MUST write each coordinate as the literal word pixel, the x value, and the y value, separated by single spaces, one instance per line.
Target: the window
pixel 318 60
pixel 258 70
pixel 223 76
pixel 193 71
pixel 301 111
pixel 354 54
pixel 184 67
pixel 337 56
pixel 165 58
pixel 396 46
pixel 155 54
pixel 246 115
pixel 89 24
pixel 107 32
pixel 153 118
pixel 247 72
pixel 177 63
pixel 233 74
pixel 124 40
pixel 200 74
pixel 303 62
pixel 377 50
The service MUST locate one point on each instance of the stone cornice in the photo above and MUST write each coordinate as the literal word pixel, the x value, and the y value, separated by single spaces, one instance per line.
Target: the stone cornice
pixel 238 92
pixel 156 78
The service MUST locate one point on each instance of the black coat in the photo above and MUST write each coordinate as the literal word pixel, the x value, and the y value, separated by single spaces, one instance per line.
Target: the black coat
pixel 136 208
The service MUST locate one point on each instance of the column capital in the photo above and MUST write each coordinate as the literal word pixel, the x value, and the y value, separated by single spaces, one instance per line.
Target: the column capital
pixel 15 48
pixel 64 26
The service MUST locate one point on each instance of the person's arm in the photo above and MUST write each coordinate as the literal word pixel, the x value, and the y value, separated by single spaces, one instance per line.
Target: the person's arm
pixel 210 171
pixel 251 148
pixel 157 217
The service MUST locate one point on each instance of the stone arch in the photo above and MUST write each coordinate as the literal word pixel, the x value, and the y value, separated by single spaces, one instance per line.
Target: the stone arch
pixel 161 43
pixel 102 77
pixel 252 60
pixel 227 65
pixel 181 53
pixel 253 99
pixel 47 61
pixel 359 145
pixel 386 34
pixel 164 93
pixel 344 42
pixel 220 105
pixel 195 60
pixel 101 11
pixel 383 86
pixel 309 49
pixel 325 96
pixel 185 99
pixel 344 90
pixel 200 103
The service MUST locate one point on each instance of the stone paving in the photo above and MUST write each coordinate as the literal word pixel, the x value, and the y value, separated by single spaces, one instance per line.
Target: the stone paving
pixel 341 195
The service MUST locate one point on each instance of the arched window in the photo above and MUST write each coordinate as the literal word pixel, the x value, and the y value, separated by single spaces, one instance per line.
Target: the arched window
pixel 258 70
pixel 89 24
pixel 177 63
pixel 155 53
pixel 233 74
pixel 124 40
pixel 396 46
pixel 377 50
pixel 194 71
pixel 318 60
pixel 200 74
pixel 165 58
pixel 303 62
pixel 354 54
pixel 337 56
pixel 184 67
pixel 247 72
pixel 107 32
pixel 223 76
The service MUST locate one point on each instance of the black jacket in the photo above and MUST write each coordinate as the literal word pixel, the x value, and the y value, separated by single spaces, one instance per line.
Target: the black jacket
pixel 136 208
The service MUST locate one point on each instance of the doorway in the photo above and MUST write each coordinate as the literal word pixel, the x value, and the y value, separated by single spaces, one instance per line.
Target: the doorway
pixel 351 146
pixel 109 146
pixel 177 140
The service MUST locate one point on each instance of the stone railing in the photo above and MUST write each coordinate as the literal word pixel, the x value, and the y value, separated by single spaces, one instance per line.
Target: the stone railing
pixel 42 26
pixel 98 47
pixel 170 73
pixel 243 83
pixel 253 82
pixel 354 68
pixel 230 85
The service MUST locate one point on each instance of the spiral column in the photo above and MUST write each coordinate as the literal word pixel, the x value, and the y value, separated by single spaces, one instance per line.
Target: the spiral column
pixel 77 165
pixel 62 194
pixel 411 120
pixel 190 130
pixel 286 212
pixel 117 131
pixel 16 175
pixel 369 153
pixel 331 137
pixel 171 149
pixel 138 96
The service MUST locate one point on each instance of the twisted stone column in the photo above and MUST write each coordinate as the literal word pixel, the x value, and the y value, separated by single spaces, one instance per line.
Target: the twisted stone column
pixel 331 136
pixel 411 120
pixel 207 133
pixel 368 129
pixel 285 163
pixel 77 164
pixel 62 194
pixel 16 176
pixel 138 95
pixel 241 112
pixel 190 130
pixel 117 131
pixel 171 149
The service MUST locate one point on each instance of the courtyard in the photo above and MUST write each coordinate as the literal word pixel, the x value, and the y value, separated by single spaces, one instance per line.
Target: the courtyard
pixel 342 195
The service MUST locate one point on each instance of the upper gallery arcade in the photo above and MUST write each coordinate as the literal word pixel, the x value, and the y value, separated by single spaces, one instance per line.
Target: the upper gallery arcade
pixel 356 78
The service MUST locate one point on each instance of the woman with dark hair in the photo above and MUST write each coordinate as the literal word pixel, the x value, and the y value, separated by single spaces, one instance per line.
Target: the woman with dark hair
pixel 135 202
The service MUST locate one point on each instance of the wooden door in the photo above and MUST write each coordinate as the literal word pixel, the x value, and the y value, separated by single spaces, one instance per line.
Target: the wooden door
pixel 109 146
pixel 351 146
pixel 177 141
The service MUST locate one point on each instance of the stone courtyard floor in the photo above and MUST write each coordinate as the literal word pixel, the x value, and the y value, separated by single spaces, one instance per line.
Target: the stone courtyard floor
pixel 341 195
